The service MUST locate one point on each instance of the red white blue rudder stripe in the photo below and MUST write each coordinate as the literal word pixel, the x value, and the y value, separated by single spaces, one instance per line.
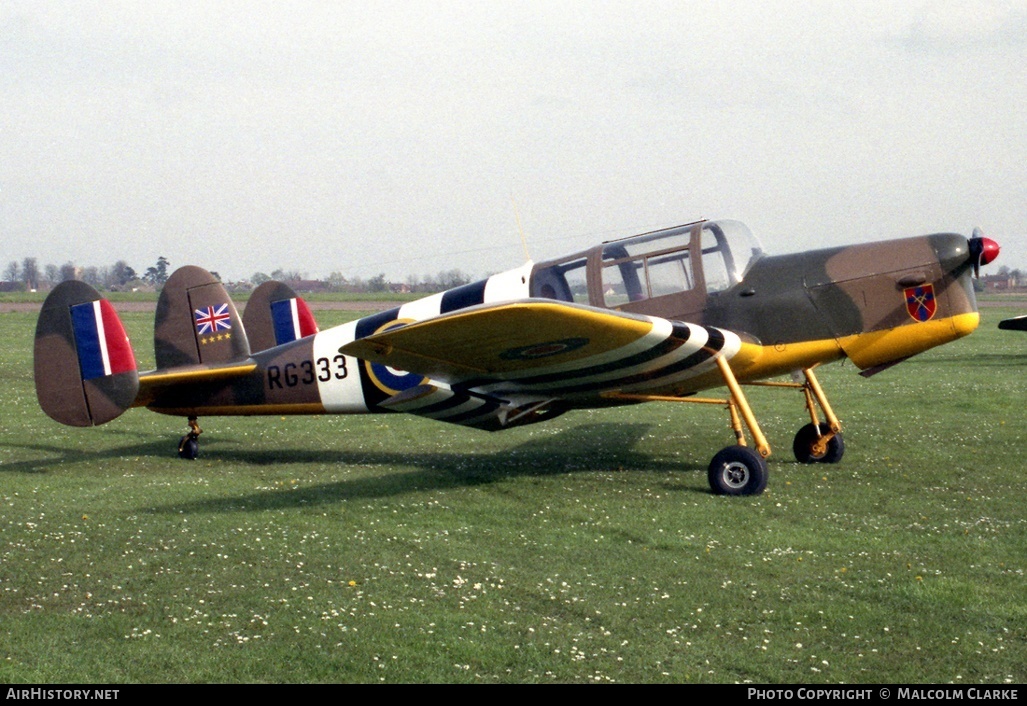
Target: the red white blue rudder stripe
pixel 100 340
pixel 292 320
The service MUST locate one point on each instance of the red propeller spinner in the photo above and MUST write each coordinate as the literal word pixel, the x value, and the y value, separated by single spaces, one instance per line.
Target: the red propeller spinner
pixel 983 250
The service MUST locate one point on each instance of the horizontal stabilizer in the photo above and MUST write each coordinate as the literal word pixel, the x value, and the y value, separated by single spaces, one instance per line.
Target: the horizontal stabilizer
pixel 85 369
pixel 153 383
pixel 276 315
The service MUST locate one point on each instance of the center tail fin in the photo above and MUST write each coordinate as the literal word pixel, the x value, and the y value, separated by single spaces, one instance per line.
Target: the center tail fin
pixel 85 369
pixel 196 322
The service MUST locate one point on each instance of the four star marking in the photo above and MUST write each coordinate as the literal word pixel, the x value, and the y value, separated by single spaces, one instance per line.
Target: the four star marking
pixel 214 339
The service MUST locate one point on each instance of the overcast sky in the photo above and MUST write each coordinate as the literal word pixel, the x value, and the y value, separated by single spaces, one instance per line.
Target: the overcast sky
pixel 405 138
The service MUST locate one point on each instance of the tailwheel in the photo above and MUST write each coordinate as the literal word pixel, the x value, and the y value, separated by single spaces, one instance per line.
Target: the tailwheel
pixel 816 444
pixel 188 448
pixel 738 470
pixel 189 445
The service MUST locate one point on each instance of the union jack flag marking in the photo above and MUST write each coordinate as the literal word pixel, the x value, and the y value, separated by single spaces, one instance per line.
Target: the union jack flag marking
pixel 213 319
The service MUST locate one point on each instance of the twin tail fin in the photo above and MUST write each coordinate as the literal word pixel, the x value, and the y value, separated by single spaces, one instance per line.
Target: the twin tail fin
pixel 85 369
pixel 276 315
pixel 196 322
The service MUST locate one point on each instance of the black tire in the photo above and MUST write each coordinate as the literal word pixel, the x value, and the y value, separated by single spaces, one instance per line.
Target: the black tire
pixel 802 447
pixel 738 470
pixel 188 448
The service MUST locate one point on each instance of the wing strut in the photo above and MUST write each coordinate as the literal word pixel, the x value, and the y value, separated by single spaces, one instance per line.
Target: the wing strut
pixel 737 405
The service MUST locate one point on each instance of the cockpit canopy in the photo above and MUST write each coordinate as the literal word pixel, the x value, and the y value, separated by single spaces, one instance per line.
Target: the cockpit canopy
pixel 688 261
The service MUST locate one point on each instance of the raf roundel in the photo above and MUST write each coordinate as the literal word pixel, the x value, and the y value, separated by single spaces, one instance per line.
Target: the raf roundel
pixel 544 350
pixel 390 380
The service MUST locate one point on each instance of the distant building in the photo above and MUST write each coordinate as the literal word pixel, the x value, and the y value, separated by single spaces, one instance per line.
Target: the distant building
pixel 310 286
pixel 999 283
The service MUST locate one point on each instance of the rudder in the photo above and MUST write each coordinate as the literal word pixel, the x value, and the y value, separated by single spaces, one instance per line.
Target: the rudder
pixel 276 315
pixel 85 370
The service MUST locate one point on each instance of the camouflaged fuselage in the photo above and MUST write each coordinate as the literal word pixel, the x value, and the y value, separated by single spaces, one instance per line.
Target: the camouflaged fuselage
pixel 797 310
pixel 839 292
pixel 875 303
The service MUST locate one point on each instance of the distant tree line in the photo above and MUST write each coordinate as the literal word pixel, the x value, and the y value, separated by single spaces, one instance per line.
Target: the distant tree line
pixel 337 282
pixel 27 275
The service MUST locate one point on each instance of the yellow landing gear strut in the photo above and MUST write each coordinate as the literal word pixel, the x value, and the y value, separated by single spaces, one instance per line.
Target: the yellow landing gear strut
pixel 741 470
pixel 817 442
pixel 738 469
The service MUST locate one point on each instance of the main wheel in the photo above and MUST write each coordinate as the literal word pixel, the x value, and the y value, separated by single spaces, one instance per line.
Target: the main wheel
pixel 738 470
pixel 188 448
pixel 807 436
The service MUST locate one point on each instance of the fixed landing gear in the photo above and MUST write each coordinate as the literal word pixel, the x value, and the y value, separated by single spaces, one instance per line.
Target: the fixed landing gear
pixel 741 469
pixel 815 443
pixel 738 470
pixel 189 445
pixel 818 442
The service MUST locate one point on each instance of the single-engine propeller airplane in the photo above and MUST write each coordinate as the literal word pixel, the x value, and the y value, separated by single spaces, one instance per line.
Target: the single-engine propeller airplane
pixel 655 317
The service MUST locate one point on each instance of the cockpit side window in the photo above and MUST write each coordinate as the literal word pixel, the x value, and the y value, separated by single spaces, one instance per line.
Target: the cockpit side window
pixel 669 274
pixel 623 277
pixel 651 266
pixel 728 250
pixel 715 259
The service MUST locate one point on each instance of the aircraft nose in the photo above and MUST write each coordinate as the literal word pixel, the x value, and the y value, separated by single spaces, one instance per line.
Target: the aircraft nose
pixel 982 250
pixel 989 251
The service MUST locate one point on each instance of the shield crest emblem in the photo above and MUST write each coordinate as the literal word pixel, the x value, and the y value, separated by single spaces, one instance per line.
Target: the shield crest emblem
pixel 920 302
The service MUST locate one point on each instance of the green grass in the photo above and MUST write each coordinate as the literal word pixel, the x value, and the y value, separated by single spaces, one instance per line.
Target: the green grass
pixel 587 549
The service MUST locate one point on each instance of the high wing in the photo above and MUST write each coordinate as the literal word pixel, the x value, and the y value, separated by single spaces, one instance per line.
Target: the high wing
pixel 531 349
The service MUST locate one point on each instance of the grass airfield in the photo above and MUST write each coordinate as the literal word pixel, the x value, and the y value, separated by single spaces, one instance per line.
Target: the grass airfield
pixel 587 549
